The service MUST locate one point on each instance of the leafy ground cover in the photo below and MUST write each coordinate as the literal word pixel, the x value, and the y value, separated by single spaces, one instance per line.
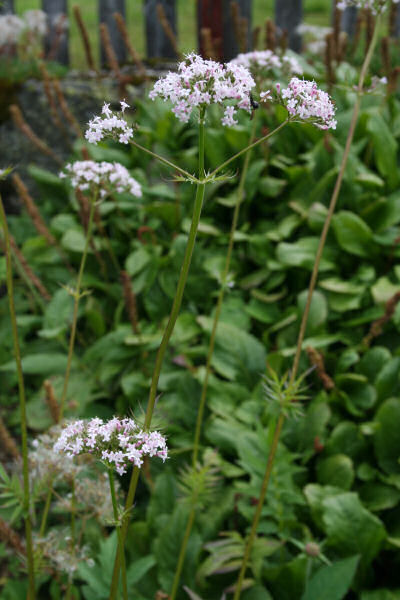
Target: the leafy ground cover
pixel 330 528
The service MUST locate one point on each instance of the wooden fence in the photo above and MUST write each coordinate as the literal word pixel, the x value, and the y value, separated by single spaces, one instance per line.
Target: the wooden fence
pixel 223 26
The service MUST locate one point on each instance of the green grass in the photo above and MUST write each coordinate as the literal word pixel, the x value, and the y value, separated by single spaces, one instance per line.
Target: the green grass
pixel 315 11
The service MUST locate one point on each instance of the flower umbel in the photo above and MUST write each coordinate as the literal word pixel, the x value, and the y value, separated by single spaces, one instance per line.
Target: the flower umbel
pixel 264 64
pixel 306 102
pixel 119 443
pixel 199 83
pixel 104 176
pixel 376 6
pixel 109 124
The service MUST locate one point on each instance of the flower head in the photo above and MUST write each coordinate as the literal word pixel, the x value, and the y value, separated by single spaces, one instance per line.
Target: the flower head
pixel 11 28
pixel 306 102
pixel 199 83
pixel 119 443
pixel 109 124
pixel 103 176
pixel 264 64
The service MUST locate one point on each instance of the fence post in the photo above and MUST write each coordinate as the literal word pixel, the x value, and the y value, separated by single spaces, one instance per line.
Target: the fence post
pixel 229 24
pixel 107 8
pixel 7 7
pixel 349 20
pixel 288 16
pixel 56 42
pixel 158 44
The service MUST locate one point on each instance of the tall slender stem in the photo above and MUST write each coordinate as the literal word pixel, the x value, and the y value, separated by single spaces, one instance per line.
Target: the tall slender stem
pixel 221 294
pixel 198 204
pixel 77 293
pixel 46 509
pixel 182 553
pixel 120 550
pixel 313 280
pixel 22 406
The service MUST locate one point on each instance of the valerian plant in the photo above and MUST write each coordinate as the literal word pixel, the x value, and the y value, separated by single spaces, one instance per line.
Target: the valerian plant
pixel 343 430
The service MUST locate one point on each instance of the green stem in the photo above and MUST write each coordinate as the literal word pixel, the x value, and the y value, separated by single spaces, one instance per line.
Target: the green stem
pixel 182 552
pixel 46 510
pixel 249 147
pixel 167 162
pixel 198 204
pixel 313 280
pixel 76 306
pixel 22 406
pixel 120 550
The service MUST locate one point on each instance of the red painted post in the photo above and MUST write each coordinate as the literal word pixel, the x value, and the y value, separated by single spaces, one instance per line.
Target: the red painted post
pixel 216 16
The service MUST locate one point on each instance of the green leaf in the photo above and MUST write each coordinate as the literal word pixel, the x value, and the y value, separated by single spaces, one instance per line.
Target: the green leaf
pixel 379 496
pixel 333 581
pixel 336 470
pixel 237 352
pixel 139 568
pixel 384 147
pixel 74 241
pixel 352 233
pixel 318 310
pixel 302 254
pixel 39 364
pixel 383 290
pixel 387 439
pixel 351 528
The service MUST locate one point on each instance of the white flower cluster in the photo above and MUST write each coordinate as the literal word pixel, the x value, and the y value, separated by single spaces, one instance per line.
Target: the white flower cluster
pixel 305 101
pixel 12 27
pixel 103 176
pixel 199 83
pixel 109 124
pixel 119 443
pixel 264 64
pixel 376 6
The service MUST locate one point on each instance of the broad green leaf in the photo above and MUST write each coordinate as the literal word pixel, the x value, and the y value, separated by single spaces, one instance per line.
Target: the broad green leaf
pixel 40 364
pixel 344 513
pixel 236 351
pixel 387 439
pixel 378 496
pixel 333 581
pixel 352 233
pixel 336 470
pixel 384 148
pixel 318 310
pixel 302 254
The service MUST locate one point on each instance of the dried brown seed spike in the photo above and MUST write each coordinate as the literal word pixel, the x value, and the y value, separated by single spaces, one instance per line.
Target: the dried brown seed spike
pixel 8 443
pixel 51 401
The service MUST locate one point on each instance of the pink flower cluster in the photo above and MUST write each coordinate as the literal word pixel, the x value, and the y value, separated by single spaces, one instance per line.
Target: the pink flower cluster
pixel 103 176
pixel 263 64
pixel 109 124
pixel 199 83
pixel 305 101
pixel 119 443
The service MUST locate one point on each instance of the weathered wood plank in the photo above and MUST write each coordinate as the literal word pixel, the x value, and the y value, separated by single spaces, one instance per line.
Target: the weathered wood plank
pixel 107 8
pixel 288 16
pixel 349 20
pixel 56 42
pixel 158 45
pixel 7 7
